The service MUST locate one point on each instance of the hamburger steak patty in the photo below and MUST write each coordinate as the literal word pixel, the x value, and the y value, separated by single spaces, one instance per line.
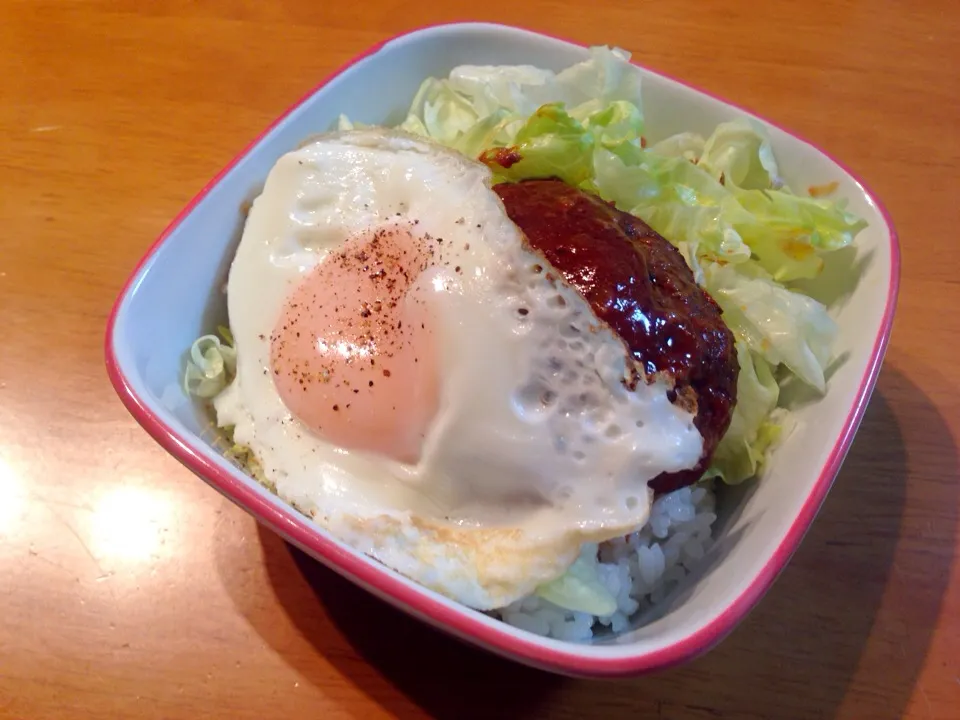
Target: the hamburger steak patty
pixel 641 287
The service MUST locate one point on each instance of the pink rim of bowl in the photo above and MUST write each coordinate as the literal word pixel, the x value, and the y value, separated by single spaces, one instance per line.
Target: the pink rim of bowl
pixel 467 625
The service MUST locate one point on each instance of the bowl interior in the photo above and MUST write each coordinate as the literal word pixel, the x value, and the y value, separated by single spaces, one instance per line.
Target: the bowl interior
pixel 177 295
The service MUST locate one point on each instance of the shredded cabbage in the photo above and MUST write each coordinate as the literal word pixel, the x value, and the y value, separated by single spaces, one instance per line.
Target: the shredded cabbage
pixel 210 366
pixel 580 589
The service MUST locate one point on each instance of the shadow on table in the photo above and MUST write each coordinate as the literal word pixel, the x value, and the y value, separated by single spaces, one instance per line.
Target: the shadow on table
pixel 856 603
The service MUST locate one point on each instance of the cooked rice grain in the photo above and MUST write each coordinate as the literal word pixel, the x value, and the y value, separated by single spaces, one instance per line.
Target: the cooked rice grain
pixel 638 570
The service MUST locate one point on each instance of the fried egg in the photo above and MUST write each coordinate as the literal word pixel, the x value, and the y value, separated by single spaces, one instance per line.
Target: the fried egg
pixel 412 376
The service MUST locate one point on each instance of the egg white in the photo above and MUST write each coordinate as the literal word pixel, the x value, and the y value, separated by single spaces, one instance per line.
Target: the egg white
pixel 537 447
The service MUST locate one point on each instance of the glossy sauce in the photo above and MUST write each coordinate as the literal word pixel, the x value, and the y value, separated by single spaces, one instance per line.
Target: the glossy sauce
pixel 638 284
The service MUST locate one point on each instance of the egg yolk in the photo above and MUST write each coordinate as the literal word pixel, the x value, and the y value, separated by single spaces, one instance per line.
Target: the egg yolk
pixel 353 354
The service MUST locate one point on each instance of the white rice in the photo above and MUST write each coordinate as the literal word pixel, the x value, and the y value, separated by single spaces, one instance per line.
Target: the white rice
pixel 638 570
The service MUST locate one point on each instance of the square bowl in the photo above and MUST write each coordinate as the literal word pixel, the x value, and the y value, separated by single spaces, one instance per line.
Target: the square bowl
pixel 174 296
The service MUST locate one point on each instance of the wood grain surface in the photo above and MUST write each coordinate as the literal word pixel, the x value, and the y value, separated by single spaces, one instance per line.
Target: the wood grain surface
pixel 130 589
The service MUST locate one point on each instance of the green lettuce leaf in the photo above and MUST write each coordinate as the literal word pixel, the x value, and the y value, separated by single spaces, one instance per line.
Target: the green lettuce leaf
pixel 579 588
pixel 787 234
pixel 740 155
pixel 779 325
pixel 210 366
pixel 745 443
pixel 551 143
pixel 790 234
pixel 686 145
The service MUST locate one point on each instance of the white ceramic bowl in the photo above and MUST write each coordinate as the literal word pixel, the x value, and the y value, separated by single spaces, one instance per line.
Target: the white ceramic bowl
pixel 174 296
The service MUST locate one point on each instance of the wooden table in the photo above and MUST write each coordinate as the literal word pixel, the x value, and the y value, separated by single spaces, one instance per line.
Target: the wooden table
pixel 130 589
